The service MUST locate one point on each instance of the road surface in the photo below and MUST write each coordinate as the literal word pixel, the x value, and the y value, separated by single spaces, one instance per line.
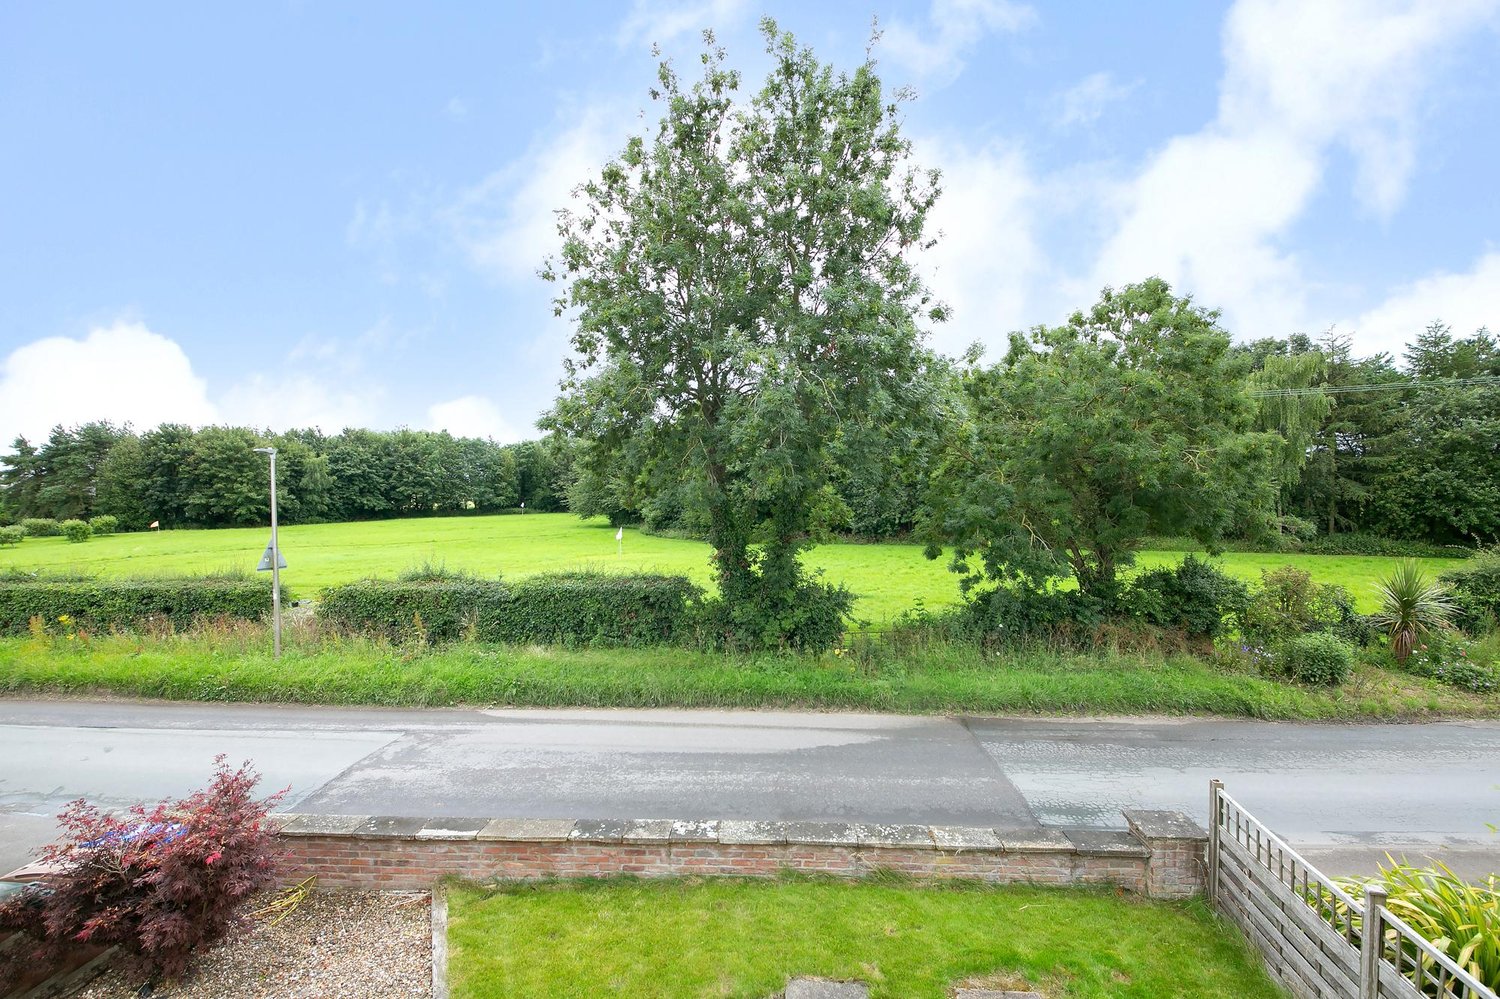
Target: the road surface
pixel 1344 793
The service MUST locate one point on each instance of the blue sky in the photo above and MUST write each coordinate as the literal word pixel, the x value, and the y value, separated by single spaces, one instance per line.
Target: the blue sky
pixel 332 213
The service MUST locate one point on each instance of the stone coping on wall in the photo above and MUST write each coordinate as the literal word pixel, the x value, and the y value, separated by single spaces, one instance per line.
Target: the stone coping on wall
pixel 728 832
pixel 1158 854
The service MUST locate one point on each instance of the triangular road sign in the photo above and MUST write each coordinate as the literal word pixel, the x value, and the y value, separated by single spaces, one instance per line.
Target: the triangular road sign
pixel 265 561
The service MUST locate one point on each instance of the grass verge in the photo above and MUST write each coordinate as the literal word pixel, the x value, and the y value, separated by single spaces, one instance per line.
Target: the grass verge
pixel 744 938
pixel 941 677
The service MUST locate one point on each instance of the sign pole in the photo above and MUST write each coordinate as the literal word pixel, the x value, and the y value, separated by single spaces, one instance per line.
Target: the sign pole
pixel 275 567
pixel 272 558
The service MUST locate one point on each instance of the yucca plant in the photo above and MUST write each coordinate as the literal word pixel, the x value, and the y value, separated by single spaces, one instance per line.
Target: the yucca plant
pixel 1459 918
pixel 1411 604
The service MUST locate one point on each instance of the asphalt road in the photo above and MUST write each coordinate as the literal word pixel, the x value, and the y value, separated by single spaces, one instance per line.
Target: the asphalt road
pixel 1345 793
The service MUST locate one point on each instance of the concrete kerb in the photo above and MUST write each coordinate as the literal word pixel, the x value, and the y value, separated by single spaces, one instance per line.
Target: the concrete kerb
pixel 1160 854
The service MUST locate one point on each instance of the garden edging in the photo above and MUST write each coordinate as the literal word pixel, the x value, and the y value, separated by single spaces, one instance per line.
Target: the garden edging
pixel 1160 855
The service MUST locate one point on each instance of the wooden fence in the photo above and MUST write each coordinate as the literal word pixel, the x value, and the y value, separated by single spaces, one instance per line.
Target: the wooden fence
pixel 1309 930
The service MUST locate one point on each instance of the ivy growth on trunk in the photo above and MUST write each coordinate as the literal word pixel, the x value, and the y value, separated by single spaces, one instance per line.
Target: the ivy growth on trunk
pixel 742 288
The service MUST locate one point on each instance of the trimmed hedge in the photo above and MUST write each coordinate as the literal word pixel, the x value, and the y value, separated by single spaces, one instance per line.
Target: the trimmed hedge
pixel 104 524
pixel 40 527
pixel 439 609
pixel 1374 544
pixel 98 604
pixel 565 608
pixel 1324 544
pixel 12 535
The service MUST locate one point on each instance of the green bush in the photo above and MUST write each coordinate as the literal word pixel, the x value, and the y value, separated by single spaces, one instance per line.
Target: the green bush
pixel 1288 603
pixel 98 604
pixel 1445 657
pixel 1317 658
pixel 1475 587
pixel 12 535
pixel 76 531
pixel 812 620
pixel 567 608
pixel 1195 598
pixel 104 524
pixel 40 527
pixel 1018 613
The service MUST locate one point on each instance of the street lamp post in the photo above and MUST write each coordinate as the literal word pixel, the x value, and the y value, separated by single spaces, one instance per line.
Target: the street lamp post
pixel 275 558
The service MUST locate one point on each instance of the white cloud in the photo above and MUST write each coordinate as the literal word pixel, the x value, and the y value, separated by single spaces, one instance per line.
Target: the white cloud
pixel 123 373
pixel 987 264
pixel 284 401
pixel 1087 100
pixel 507 222
pixel 957 27
pixel 457 109
pixel 1464 301
pixel 660 21
pixel 471 416
pixel 1210 211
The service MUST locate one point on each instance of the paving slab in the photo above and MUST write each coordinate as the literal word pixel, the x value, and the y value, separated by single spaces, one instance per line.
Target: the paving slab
pixel 739 832
pixel 392 826
pixel 1106 843
pixel 1034 841
pixel 883 835
pixel 695 831
pixel 647 831
pixel 822 833
pixel 599 830
pixel 993 994
pixel 817 988
pixel 452 828
pixel 965 838
pixel 539 830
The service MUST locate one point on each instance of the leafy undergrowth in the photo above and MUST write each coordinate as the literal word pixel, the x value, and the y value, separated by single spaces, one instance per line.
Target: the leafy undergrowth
pixel 233 663
pixel 746 938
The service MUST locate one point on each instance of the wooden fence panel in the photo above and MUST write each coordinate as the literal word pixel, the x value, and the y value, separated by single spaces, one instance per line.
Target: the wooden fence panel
pixel 1308 929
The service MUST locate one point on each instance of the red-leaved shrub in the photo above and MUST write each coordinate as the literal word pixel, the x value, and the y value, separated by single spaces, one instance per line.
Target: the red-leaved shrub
pixel 161 884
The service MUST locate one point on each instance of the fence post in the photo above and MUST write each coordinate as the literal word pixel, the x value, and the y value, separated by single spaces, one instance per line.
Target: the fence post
pixel 1371 940
pixel 1212 857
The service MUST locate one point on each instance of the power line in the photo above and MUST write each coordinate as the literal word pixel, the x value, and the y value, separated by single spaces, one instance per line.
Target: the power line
pixel 1374 387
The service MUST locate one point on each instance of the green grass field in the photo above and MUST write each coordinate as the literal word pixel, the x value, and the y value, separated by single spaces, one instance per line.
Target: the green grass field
pixel 742 938
pixel 888 578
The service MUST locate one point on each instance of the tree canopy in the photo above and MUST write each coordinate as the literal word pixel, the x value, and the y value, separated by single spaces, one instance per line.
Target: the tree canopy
pixel 1131 419
pixel 742 290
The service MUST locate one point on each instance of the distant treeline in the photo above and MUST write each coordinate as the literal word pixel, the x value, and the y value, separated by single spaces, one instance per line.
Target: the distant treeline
pixel 212 477
pixel 1406 449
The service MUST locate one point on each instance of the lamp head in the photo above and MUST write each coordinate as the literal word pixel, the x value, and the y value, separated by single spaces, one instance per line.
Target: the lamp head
pixel 265 450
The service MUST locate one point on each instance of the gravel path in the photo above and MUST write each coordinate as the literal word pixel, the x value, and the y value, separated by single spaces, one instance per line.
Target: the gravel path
pixel 337 945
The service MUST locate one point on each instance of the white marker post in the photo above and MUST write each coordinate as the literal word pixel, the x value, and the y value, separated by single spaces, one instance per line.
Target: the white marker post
pixel 620 542
pixel 273 555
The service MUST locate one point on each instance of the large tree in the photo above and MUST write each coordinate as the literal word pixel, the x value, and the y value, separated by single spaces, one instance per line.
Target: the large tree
pixel 1129 420
pixel 741 287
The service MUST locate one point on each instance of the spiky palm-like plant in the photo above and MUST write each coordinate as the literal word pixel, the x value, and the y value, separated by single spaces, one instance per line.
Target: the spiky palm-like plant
pixel 1411 604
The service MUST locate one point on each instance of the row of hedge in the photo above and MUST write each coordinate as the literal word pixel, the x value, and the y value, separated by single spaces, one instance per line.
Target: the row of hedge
pixel 101 605
pixel 565 608
pixel 1352 543
pixel 46 527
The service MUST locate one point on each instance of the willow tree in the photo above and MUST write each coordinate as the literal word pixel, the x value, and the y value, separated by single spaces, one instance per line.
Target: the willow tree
pixel 741 285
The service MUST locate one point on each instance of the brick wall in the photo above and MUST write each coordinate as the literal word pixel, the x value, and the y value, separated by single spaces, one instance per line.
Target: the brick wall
pixel 404 853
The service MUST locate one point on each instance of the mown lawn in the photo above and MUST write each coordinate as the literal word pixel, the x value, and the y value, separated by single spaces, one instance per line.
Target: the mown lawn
pixel 936 677
pixel 888 578
pixel 743 938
